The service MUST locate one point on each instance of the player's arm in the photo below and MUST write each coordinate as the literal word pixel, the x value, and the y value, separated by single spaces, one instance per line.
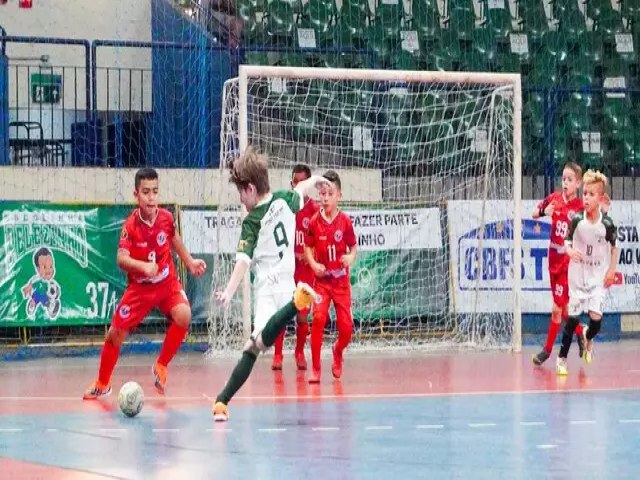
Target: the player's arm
pixel 318 268
pixel 574 254
pixel 610 236
pixel 130 265
pixel 195 266
pixel 305 187
pixel 543 209
pixel 351 241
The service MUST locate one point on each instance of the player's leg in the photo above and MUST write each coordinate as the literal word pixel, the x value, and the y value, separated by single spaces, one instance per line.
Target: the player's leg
pixel 595 322
pixel 344 324
pixel 302 330
pixel 560 294
pixel 318 322
pixel 575 309
pixel 263 337
pixel 134 306
pixel 278 346
pixel 175 306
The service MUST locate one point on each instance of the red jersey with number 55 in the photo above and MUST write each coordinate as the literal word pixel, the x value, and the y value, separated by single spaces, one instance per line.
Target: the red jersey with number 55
pixel 563 213
pixel 330 241
pixel 150 242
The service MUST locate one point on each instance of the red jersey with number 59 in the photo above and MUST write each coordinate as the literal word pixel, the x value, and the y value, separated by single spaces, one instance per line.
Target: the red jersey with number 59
pixel 563 213
pixel 150 242
pixel 330 241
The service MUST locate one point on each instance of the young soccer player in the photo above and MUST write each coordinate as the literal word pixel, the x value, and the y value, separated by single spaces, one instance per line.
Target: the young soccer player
pixel 266 243
pixel 144 252
pixel 591 246
pixel 303 272
pixel 330 250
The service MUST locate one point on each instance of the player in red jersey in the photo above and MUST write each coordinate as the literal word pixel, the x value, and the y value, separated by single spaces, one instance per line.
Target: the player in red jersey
pixel 144 252
pixel 330 250
pixel 561 207
pixel 303 272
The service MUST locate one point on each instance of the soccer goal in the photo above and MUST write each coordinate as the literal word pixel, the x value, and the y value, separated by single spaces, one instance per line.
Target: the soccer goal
pixel 431 172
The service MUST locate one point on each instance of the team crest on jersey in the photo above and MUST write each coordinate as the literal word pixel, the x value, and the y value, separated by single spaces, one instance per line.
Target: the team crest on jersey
pixel 571 214
pixel 125 311
pixel 305 222
pixel 161 238
pixel 338 235
pixel 124 235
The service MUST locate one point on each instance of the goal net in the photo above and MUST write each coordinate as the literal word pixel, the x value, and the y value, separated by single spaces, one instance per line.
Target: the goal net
pixel 430 168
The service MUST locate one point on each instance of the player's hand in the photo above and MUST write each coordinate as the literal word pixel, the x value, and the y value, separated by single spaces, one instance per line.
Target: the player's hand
pixel 346 260
pixel 574 254
pixel 150 269
pixel 609 278
pixel 224 298
pixel 319 269
pixel 605 203
pixel 196 267
pixel 549 210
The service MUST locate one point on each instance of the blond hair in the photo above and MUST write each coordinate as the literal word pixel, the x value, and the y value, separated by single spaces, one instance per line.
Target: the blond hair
pixel 251 167
pixel 595 176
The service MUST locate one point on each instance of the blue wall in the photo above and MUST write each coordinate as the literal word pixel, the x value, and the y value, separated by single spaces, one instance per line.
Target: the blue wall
pixel 187 92
pixel 4 110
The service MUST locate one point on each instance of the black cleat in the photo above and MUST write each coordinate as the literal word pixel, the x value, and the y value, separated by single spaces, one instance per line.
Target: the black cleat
pixel 541 357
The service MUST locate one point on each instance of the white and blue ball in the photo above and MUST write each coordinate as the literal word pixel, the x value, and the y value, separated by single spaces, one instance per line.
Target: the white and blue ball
pixel 131 399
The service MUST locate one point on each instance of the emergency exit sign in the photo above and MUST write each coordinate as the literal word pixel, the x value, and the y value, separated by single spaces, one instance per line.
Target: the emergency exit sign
pixel 46 88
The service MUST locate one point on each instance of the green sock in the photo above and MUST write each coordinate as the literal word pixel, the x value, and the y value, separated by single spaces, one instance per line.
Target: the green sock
pixel 238 377
pixel 277 323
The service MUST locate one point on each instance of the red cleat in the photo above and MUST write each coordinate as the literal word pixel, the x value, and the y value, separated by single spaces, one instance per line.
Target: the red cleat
pixel 301 362
pixel 314 377
pixel 277 362
pixel 336 368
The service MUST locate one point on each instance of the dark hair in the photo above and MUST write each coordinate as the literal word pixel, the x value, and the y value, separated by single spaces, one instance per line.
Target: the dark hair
pixel 251 167
pixel 334 178
pixel 42 252
pixel 145 174
pixel 301 168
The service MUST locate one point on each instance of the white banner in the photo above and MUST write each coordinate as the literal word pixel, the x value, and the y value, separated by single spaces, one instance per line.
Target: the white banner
pixel 406 229
pixel 493 277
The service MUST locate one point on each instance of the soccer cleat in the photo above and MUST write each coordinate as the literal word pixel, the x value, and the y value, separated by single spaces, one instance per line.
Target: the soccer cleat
pixel 304 296
pixel 541 357
pixel 96 390
pixel 314 377
pixel 276 364
pixel 336 368
pixel 561 366
pixel 582 342
pixel 301 362
pixel 160 372
pixel 588 351
pixel 220 412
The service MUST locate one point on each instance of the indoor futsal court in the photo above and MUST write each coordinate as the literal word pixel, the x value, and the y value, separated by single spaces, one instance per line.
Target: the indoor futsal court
pixel 464 415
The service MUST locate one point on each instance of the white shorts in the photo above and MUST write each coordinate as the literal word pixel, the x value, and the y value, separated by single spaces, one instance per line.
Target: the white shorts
pixel 582 301
pixel 265 306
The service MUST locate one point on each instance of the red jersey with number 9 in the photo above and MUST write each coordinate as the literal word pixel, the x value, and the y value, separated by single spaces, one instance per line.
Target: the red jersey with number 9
pixel 330 241
pixel 563 213
pixel 150 242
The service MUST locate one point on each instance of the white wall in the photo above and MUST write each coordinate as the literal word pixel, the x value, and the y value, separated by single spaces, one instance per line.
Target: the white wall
pixel 81 19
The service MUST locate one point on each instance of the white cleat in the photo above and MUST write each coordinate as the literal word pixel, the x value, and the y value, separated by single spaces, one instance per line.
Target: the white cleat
pixel 561 366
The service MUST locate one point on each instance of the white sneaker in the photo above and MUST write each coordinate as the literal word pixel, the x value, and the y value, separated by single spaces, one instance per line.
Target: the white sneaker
pixel 588 351
pixel 561 366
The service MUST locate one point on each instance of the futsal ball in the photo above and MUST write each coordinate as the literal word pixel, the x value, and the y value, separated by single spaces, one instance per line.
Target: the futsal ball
pixel 131 399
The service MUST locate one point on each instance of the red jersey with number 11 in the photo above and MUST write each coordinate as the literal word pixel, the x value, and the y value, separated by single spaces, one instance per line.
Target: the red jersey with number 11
pixel 563 213
pixel 330 241
pixel 150 242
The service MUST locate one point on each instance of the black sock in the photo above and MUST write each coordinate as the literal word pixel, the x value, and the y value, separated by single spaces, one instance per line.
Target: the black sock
pixel 567 335
pixel 238 377
pixel 277 323
pixel 594 328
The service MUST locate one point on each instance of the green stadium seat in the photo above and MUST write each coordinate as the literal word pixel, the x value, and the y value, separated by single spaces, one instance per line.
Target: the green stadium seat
pixel 542 73
pixel 570 19
pixel 280 22
pixel 533 112
pixel 353 23
pixel 533 19
pixel 261 58
pixel 461 18
pixel 631 10
pixel 383 45
pixel 497 18
pixel 484 53
pixel 577 113
pixel 606 19
pixel 555 49
pixel 591 47
pixel 425 19
pixel 322 16
pixel 251 12
pixel 388 17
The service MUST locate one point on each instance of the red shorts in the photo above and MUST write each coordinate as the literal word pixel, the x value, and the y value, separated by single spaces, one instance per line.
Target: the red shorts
pixel 304 273
pixel 140 298
pixel 340 294
pixel 560 287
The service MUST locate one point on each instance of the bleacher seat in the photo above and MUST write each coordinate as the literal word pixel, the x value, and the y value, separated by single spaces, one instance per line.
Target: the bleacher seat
pixel 322 16
pixel 606 19
pixel 388 17
pixel 425 19
pixel 353 23
pixel 570 19
pixel 461 18
pixel 533 20
pixel 280 23
pixel 497 18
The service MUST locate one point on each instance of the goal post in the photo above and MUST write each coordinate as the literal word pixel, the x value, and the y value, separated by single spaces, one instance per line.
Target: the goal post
pixel 431 167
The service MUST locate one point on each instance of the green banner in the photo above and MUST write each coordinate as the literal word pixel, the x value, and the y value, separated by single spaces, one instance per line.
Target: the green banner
pixel 58 264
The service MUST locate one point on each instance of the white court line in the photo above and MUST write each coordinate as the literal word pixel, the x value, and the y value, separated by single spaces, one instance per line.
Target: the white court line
pixel 546 446
pixel 629 420
pixel 582 422
pixel 378 427
pixel 165 430
pixel 355 396
pixel 11 430
pixel 272 430
pixel 219 430
pixel 429 427
pixel 112 430
pixel 325 429
pixel 52 430
pixel 481 425
pixel 532 424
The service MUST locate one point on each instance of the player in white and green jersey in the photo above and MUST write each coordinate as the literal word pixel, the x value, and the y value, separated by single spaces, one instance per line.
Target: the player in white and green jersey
pixel 591 246
pixel 266 244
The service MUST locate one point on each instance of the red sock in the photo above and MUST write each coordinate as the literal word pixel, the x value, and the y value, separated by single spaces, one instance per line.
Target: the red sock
pixel 302 330
pixel 172 341
pixel 578 329
pixel 277 347
pixel 317 332
pixel 108 360
pixel 554 328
